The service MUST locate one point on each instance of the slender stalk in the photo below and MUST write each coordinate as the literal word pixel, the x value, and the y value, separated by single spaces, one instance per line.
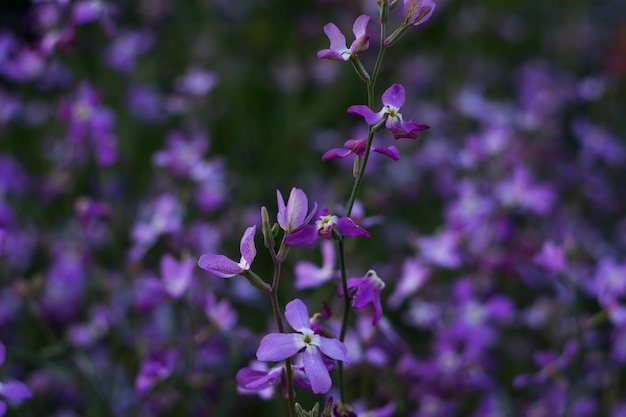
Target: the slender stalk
pixel 346 312
pixel 281 329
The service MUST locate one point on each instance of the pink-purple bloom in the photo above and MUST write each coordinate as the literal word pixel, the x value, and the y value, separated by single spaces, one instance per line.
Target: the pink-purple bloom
pixel 324 226
pixel 280 346
pixel 176 276
pixel 224 267
pixel 293 216
pixel 309 275
pixel 417 11
pixel 11 390
pixel 366 290
pixel 393 99
pixel 338 49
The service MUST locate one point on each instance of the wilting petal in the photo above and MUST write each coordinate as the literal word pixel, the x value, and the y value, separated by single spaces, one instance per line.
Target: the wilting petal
pixel 279 346
pixel 390 151
pixel 219 265
pixel 315 369
pixel 248 250
pixel 347 227
pixel 297 315
pixel 333 348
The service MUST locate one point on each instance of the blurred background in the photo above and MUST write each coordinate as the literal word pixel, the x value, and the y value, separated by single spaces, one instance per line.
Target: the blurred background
pixel 130 131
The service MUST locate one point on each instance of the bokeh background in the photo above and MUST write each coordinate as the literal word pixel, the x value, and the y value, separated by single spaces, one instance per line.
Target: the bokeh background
pixel 134 130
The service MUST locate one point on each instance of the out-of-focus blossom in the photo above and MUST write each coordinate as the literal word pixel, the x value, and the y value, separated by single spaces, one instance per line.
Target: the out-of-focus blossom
pixel 552 257
pixel 338 49
pixel 413 277
pixel 220 313
pixel 156 368
pixel 366 290
pixel 162 216
pixel 182 156
pixel 393 99
pixel 196 82
pixel 11 390
pixel 89 121
pixel 520 191
pixel 279 346
pixel 124 51
pixel 440 249
pixel 309 275
pixel 176 276
pixel 224 267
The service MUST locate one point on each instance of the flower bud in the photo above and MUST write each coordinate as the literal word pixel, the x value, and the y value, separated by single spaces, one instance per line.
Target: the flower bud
pixel 266 228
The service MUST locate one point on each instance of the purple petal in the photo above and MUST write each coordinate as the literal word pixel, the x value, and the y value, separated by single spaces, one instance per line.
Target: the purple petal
pixel 356 145
pixel 309 275
pixel 304 236
pixel 337 40
pixel 219 265
pixel 281 217
pixel 3 408
pixel 360 25
pixel 15 390
pixel 257 380
pixel 368 114
pixel 394 96
pixel 315 369
pixel 279 346
pixel 390 151
pixel 347 227
pixel 297 315
pixel 176 276
pixel 330 54
pixel 333 348
pixel 336 153
pixel 248 250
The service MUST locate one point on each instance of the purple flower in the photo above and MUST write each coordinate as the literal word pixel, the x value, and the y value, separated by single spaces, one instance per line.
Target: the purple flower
pixel 221 314
pixel 224 267
pixel 366 290
pixel 552 257
pixel 357 147
pixel 309 275
pixel 393 99
pixel 196 82
pixel 11 390
pixel 338 49
pixel 176 276
pixel 417 11
pixel 293 216
pixel 279 346
pixel 154 369
pixel 324 226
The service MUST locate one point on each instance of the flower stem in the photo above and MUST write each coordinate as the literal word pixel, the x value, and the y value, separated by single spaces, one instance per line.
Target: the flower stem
pixel 281 329
pixel 346 312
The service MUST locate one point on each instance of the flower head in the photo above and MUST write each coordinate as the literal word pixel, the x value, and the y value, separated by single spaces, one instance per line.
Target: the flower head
pixel 279 346
pixel 176 276
pixel 417 12
pixel 324 225
pixel 338 49
pixel 393 99
pixel 366 290
pixel 293 216
pixel 224 267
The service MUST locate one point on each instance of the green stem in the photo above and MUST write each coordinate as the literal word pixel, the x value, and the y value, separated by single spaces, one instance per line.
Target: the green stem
pixel 346 312
pixel 370 132
pixel 281 329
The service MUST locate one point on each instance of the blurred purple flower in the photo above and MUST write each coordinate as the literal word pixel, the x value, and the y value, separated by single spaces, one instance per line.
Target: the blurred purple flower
pixel 196 82
pixel 221 314
pixel 520 191
pixel 224 267
pixel 440 249
pixel 324 226
pixel 123 52
pixel 11 390
pixel 393 99
pixel 357 147
pixel 279 346
pixel 176 276
pixel 182 155
pixel 156 368
pixel 309 275
pixel 88 120
pixel 338 49
pixel 161 216
pixel 552 257
pixel 413 277
pixel 366 290
pixel 417 12
pixel 258 378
